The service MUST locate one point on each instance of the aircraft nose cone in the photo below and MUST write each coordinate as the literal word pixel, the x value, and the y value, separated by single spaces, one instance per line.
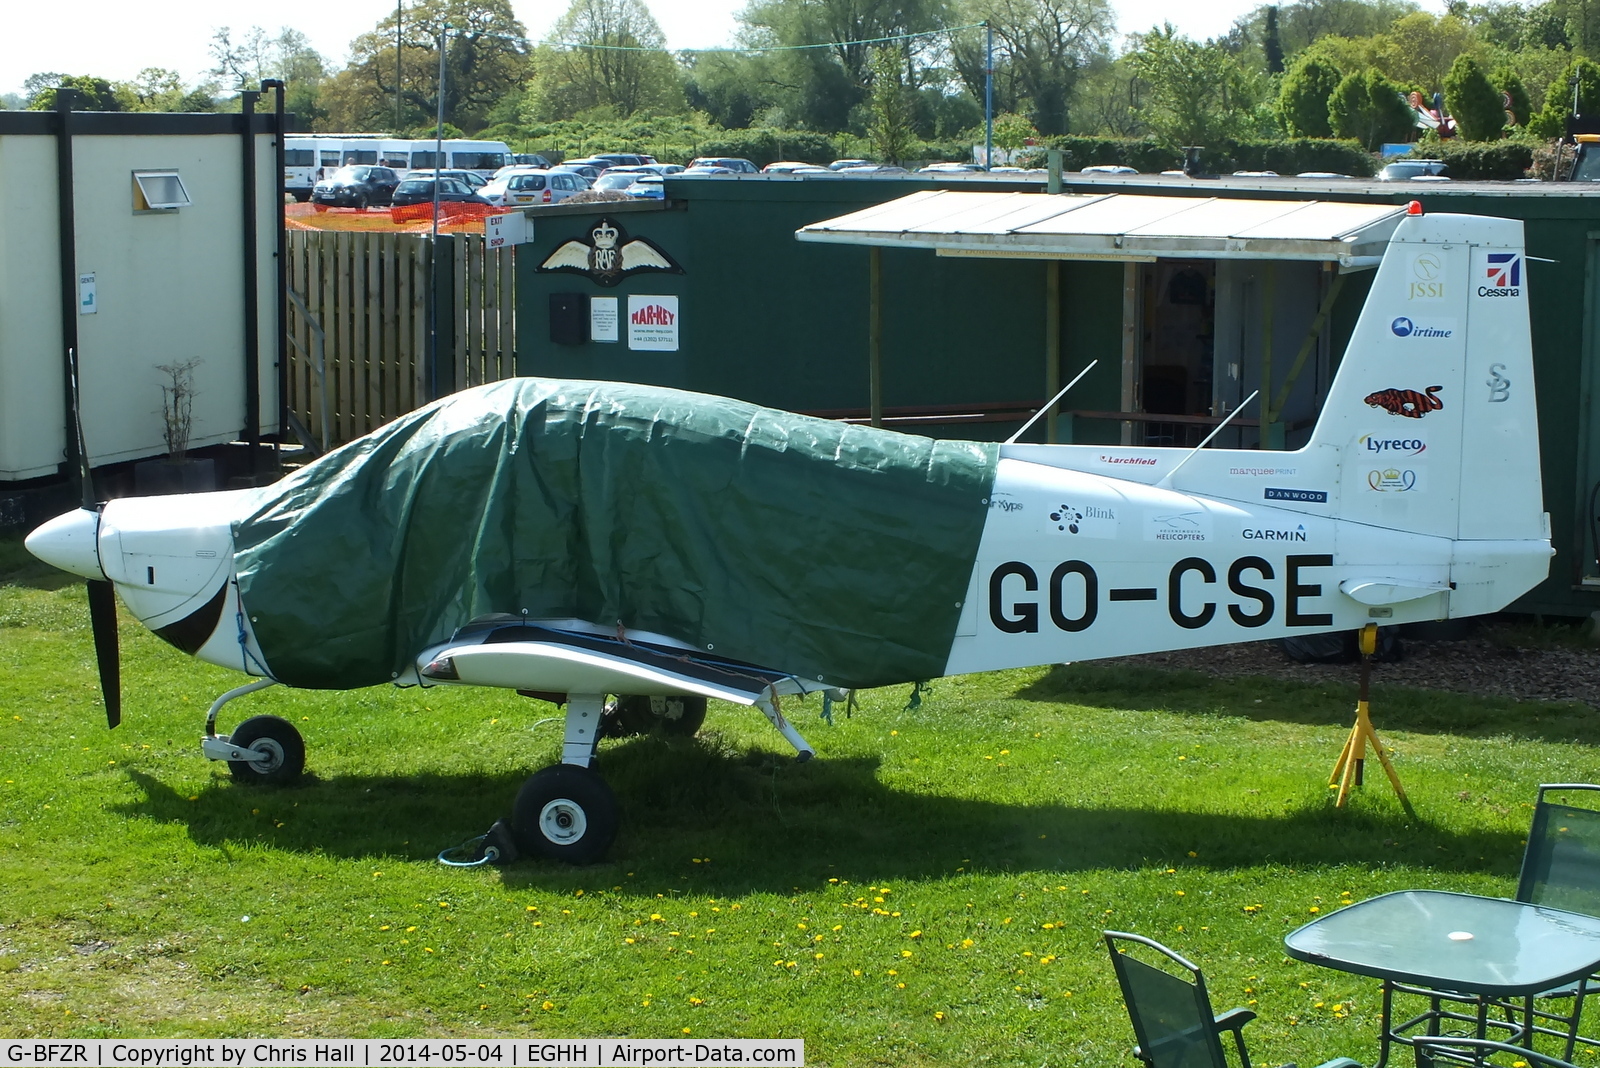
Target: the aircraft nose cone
pixel 69 542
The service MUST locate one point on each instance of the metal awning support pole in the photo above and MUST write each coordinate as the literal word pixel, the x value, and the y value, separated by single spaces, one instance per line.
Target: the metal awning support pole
pixel 1052 343
pixel 875 334
pixel 249 226
pixel 988 96
pixel 1269 288
pixel 1130 345
pixel 67 243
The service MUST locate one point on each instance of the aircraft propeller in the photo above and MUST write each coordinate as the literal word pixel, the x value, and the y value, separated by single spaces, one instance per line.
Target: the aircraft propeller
pixel 102 595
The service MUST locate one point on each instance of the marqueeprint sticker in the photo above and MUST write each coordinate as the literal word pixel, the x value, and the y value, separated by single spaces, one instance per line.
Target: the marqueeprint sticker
pixel 609 256
pixel 1406 402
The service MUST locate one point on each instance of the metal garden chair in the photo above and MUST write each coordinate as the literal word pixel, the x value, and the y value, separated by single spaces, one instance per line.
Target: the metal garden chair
pixel 1561 870
pixel 1171 1014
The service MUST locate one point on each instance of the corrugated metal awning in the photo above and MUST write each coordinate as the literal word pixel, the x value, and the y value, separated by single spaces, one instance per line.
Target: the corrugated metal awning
pixel 1118 226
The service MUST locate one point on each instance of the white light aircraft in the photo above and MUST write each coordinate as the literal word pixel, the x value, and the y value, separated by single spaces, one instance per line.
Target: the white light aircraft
pixel 1417 497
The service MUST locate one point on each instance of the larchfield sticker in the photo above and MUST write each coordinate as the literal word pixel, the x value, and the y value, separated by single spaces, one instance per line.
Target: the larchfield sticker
pixel 1303 496
pixel 1135 461
pixel 1406 402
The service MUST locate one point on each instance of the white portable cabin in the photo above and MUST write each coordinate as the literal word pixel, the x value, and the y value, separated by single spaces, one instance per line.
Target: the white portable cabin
pixel 138 240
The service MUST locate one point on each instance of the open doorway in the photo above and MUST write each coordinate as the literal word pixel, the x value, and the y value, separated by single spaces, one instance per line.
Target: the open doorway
pixel 1177 353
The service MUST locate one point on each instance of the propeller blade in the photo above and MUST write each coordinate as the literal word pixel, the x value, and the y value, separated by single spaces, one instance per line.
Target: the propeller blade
pixel 85 482
pixel 103 619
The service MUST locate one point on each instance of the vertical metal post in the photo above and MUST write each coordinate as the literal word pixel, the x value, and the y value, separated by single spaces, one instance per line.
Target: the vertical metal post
pixel 67 241
pixel 1269 287
pixel 281 254
pixel 252 281
pixel 1053 172
pixel 1130 345
pixel 1052 343
pixel 988 97
pixel 875 333
pixel 433 237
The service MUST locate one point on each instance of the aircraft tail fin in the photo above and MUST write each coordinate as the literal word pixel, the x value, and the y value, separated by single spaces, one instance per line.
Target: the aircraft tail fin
pixel 1432 409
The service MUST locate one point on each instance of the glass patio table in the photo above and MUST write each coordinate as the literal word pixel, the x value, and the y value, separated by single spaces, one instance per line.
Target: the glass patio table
pixel 1457 948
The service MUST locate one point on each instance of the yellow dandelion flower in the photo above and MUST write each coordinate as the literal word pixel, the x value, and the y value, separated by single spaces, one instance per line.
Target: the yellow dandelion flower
pixel 915 934
pixel 938 1016
pixel 547 1006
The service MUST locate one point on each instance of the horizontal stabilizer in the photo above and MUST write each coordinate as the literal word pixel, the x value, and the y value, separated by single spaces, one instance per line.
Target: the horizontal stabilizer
pixel 1388 591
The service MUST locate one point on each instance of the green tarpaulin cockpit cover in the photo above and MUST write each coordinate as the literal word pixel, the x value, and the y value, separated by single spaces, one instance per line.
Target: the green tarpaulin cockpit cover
pixel 811 546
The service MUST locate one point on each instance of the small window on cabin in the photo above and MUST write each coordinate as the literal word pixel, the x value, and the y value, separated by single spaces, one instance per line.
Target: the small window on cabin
pixel 159 191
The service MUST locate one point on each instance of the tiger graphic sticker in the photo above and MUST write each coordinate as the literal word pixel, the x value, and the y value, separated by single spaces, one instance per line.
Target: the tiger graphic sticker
pixel 1406 402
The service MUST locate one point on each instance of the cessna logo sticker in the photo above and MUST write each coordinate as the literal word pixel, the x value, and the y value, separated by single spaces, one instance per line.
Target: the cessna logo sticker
pixel 609 256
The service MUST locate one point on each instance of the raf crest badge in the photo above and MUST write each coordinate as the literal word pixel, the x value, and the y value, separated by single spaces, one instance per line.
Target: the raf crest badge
pixel 608 256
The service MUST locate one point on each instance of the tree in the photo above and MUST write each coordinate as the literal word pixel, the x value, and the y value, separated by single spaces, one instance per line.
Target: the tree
pixel 1419 49
pixel 1110 100
pixel 1303 98
pixel 1552 120
pixel 1368 108
pixel 839 22
pixel 1473 101
pixel 486 59
pixel 1198 93
pixel 599 56
pixel 1272 42
pixel 1509 82
pixel 891 102
pixel 90 94
pixel 1046 44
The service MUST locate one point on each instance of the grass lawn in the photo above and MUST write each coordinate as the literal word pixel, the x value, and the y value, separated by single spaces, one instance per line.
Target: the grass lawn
pixel 931 891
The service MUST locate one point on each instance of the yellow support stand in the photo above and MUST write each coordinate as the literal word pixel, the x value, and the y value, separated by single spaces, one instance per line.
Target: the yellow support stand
pixel 1352 760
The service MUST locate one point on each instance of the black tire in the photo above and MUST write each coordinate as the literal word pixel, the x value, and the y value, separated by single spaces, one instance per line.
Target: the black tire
pixel 565 813
pixel 277 736
pixel 679 717
pixel 361 202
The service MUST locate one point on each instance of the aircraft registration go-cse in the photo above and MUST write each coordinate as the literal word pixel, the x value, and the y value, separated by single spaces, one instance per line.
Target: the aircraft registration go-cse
pixel 631 552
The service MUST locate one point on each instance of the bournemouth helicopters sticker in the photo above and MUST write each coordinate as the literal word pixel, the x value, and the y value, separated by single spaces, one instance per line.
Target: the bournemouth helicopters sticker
pixel 609 255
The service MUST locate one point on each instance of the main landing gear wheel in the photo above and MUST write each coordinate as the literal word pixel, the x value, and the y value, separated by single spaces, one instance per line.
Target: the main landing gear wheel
pixel 565 813
pixel 678 717
pixel 278 738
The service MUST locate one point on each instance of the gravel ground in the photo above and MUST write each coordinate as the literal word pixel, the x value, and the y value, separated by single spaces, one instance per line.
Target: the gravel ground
pixel 1507 660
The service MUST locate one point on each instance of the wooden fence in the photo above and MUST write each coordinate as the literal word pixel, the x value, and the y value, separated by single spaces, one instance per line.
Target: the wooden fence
pixel 358 326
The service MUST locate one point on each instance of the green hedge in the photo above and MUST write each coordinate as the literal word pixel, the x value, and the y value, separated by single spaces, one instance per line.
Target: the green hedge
pixel 1149 156
pixel 1490 161
pixel 762 147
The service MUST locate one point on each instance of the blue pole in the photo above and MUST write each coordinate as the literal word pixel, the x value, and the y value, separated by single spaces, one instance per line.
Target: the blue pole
pixel 988 97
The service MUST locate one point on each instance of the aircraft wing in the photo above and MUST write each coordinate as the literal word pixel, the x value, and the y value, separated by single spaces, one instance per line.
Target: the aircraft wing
pixel 531 657
pixel 571 254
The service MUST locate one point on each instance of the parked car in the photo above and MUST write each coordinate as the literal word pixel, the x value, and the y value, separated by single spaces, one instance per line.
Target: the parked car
pixel 786 167
pixel 731 163
pixel 473 179
pixel 1321 174
pixel 841 164
pixel 420 191
pixel 600 164
pixel 528 159
pixel 626 159
pixel 872 168
pixel 355 187
pixel 532 187
pixel 648 187
pixel 1108 168
pixel 950 168
pixel 1405 169
pixel 615 181
pixel 707 169
pixel 589 173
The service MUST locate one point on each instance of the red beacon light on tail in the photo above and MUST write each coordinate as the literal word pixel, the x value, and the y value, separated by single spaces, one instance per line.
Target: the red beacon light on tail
pixel 1414 208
